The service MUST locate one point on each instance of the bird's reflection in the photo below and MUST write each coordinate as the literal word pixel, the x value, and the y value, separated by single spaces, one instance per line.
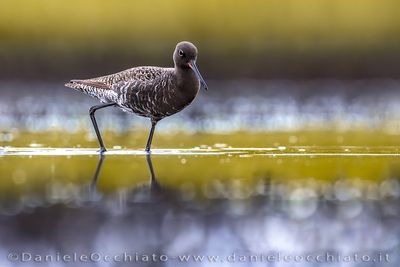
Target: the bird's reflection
pixel 155 187
pixel 93 184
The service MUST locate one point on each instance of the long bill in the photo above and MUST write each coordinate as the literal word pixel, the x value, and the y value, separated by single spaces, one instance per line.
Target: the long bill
pixel 192 65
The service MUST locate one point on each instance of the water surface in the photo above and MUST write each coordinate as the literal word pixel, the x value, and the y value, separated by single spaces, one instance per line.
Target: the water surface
pixel 277 167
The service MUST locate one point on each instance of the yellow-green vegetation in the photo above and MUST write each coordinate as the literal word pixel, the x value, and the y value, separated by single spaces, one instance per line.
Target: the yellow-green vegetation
pixel 259 23
pixel 137 139
pixel 144 32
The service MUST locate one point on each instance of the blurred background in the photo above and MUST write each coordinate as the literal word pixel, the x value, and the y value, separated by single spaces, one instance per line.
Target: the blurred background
pixel 262 39
pixel 292 150
pixel 272 66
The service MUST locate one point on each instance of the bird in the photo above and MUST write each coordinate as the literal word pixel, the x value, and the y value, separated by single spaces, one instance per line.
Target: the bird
pixel 151 92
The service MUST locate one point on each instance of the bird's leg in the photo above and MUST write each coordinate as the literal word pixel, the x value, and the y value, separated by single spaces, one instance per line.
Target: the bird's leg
pixel 153 126
pixel 92 110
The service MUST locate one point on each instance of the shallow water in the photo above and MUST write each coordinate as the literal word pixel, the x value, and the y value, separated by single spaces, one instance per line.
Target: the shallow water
pixel 212 202
pixel 282 169
pixel 222 150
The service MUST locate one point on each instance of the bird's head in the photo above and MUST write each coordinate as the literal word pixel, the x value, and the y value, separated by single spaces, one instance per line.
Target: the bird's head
pixel 185 56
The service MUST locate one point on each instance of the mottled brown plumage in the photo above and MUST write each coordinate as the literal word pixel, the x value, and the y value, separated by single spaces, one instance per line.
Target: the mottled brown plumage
pixel 152 92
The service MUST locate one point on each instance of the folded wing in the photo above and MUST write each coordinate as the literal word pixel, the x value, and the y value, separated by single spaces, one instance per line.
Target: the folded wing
pixel 114 87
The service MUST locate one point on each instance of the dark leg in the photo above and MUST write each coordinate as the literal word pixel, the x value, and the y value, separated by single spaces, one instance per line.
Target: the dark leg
pixel 153 126
pixel 92 110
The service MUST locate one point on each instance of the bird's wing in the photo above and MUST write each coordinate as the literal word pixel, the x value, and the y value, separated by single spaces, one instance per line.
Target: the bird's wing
pixel 133 75
pixel 141 79
pixel 109 88
pixel 138 74
pixel 143 94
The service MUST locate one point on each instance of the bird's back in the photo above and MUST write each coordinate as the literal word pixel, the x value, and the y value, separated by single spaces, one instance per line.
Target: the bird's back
pixel 141 74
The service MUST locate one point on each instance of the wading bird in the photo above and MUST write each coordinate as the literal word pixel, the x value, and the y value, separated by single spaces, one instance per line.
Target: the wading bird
pixel 151 92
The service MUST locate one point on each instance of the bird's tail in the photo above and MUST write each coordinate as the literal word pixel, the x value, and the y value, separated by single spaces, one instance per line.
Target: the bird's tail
pixel 81 85
pixel 74 84
pixel 99 90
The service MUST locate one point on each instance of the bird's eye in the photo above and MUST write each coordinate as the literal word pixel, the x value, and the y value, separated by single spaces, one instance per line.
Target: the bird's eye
pixel 181 53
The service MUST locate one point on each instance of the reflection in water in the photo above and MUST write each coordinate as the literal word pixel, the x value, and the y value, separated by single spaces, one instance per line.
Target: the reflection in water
pixel 155 187
pixel 93 184
pixel 210 212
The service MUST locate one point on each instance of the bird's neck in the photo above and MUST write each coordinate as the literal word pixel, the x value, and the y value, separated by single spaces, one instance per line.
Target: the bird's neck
pixel 187 80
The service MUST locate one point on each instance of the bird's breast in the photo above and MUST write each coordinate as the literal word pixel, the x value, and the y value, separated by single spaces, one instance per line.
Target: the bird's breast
pixel 161 101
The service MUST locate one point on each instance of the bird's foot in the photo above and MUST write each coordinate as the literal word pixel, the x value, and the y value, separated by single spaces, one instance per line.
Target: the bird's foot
pixel 102 150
